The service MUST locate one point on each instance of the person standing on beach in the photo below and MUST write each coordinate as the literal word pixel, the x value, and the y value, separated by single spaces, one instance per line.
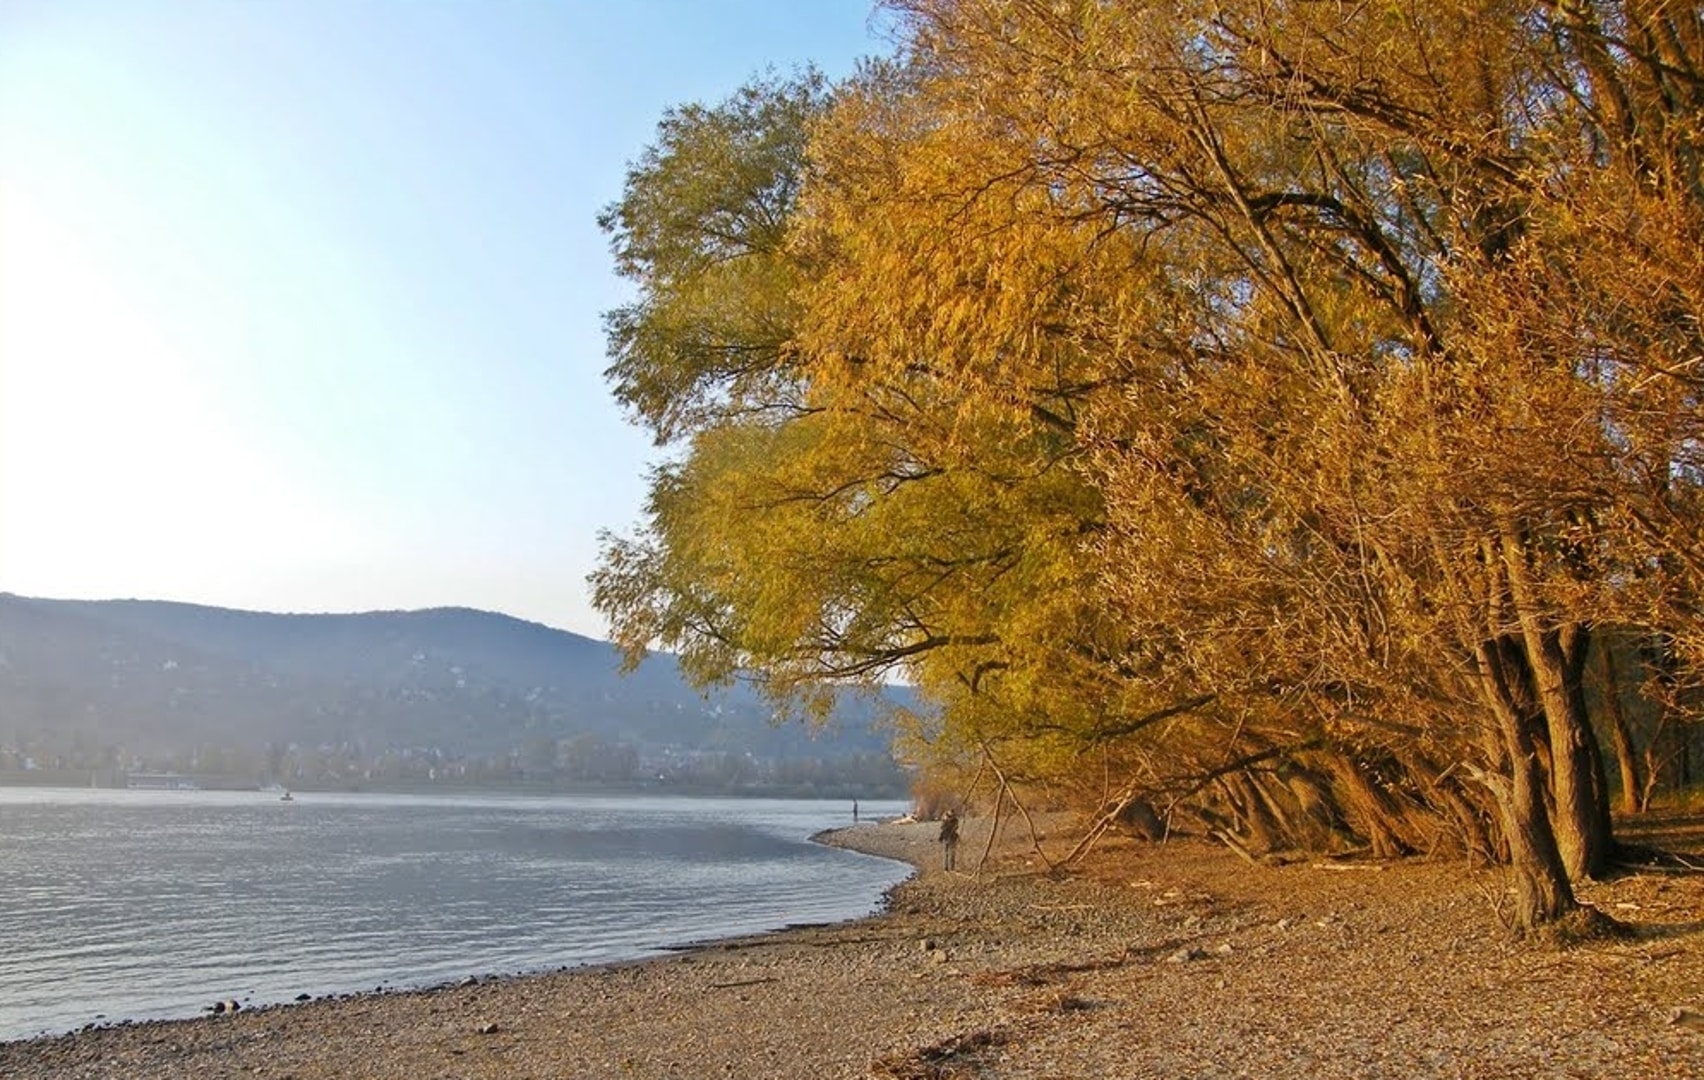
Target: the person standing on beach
pixel 854 811
pixel 949 840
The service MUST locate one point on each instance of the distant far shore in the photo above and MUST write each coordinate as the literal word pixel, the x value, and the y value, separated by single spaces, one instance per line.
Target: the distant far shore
pixel 112 780
pixel 1144 960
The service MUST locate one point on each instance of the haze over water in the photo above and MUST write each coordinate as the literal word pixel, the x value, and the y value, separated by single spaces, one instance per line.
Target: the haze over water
pixel 148 904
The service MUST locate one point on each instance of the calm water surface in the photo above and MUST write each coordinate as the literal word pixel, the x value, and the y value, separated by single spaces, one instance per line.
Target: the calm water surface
pixel 154 904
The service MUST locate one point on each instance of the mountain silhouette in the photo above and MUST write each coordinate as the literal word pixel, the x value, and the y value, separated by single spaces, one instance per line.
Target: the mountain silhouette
pixel 153 676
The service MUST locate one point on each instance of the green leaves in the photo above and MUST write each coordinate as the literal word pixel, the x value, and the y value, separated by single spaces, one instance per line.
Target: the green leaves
pixel 701 229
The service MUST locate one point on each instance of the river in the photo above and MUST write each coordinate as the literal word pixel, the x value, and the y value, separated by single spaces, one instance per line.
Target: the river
pixel 135 905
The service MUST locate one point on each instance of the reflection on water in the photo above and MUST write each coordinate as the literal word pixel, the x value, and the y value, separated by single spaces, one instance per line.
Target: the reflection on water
pixel 121 904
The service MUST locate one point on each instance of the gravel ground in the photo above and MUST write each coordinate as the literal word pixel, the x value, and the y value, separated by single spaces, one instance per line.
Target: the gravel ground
pixel 1146 961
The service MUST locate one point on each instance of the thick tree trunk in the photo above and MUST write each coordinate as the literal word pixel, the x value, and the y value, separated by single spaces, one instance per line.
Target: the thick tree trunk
pixel 1584 833
pixel 1556 652
pixel 1542 890
pixel 1621 736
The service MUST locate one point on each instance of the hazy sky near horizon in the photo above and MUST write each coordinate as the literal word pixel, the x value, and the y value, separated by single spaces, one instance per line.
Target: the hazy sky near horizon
pixel 300 300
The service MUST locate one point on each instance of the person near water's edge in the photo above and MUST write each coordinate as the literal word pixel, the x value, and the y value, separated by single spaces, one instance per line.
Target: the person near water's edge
pixel 949 840
pixel 854 811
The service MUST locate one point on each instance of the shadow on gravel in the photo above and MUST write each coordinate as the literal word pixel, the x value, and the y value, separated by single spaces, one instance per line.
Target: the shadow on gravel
pixel 1658 931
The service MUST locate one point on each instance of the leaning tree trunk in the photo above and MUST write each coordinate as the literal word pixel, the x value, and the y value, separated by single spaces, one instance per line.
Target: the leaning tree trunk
pixel 1370 812
pixel 1621 735
pixel 1556 651
pixel 1542 890
pixel 1455 805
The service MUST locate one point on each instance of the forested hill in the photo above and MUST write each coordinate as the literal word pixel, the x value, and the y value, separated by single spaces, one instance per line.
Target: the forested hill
pixel 153 677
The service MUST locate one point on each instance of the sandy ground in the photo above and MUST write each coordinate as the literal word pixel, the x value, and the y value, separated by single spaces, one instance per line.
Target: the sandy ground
pixel 1144 961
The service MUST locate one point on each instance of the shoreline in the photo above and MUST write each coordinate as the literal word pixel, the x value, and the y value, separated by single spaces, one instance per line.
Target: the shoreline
pixel 1144 961
pixel 889 848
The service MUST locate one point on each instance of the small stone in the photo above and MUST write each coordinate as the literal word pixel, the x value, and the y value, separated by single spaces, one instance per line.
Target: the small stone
pixel 1186 954
pixel 304 997
pixel 1687 1017
pixel 489 1029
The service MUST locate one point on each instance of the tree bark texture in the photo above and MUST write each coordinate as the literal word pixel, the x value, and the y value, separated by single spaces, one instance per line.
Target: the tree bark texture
pixel 1556 653
pixel 1542 890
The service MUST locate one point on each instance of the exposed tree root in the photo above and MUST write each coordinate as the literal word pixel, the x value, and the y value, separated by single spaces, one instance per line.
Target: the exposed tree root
pixel 1583 925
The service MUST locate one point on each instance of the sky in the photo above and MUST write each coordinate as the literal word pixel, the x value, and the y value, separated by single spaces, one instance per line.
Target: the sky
pixel 301 300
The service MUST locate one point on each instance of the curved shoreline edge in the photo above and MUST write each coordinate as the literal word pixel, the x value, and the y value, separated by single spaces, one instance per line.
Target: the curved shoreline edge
pixel 1143 961
pixel 902 841
pixel 889 840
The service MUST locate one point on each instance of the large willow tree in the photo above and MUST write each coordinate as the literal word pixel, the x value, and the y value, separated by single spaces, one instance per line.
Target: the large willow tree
pixel 1254 408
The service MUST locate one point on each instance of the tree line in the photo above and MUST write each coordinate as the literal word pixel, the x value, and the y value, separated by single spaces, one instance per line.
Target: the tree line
pixel 1282 415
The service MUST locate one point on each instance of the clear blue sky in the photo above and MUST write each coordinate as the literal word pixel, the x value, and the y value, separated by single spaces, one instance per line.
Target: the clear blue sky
pixel 300 299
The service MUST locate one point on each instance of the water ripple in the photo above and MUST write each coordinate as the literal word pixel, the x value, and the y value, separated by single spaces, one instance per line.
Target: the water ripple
pixel 152 904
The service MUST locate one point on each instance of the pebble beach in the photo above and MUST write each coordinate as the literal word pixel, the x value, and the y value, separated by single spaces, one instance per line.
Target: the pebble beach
pixel 1141 961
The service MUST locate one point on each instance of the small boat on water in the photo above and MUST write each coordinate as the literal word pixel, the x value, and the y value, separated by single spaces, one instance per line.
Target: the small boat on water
pixel 287 797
